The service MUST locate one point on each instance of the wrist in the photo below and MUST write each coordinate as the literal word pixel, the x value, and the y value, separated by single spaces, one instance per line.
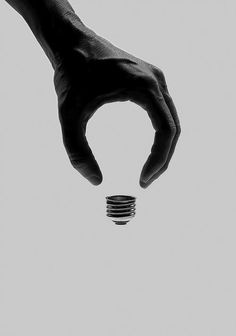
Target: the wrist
pixel 61 34
pixel 57 30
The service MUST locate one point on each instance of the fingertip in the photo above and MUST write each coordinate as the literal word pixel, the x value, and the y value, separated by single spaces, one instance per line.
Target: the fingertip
pixel 96 180
pixel 89 169
pixel 146 174
pixel 143 184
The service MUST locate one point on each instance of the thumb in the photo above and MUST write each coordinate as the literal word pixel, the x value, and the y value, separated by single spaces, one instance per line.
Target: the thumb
pixel 77 147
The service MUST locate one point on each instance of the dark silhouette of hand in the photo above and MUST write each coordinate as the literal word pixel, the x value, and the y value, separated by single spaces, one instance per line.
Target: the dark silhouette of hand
pixel 90 72
pixel 85 80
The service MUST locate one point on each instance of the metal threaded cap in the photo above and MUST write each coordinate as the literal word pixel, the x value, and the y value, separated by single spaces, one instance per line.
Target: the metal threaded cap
pixel 120 208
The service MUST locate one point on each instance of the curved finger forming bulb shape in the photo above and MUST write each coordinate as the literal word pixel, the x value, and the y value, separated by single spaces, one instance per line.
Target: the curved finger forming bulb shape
pixel 120 208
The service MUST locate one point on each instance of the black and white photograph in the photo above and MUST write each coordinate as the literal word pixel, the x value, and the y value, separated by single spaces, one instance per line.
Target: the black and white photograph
pixel 117 168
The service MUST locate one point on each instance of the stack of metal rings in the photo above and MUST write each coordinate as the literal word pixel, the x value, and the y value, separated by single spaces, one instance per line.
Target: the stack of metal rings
pixel 120 208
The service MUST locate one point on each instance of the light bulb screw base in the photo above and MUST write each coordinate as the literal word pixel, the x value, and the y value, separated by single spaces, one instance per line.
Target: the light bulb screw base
pixel 120 208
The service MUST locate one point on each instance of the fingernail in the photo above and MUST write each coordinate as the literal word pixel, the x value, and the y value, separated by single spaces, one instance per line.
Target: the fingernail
pixel 146 180
pixel 143 184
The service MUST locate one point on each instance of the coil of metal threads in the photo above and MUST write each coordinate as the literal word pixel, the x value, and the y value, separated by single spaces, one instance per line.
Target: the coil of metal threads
pixel 120 208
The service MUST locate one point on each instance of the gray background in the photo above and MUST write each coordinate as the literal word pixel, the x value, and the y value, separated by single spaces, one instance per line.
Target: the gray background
pixel 65 268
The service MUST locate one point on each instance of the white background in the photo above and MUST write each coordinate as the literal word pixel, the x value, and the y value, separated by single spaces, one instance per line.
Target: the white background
pixel 65 268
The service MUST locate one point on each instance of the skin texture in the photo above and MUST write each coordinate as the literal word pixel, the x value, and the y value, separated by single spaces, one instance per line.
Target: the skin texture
pixel 90 72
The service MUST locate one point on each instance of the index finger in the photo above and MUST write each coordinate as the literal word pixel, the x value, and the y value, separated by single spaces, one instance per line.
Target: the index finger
pixel 165 129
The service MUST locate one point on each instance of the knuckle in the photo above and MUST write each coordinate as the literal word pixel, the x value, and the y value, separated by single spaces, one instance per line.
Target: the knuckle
pixel 178 130
pixel 161 75
pixel 151 85
pixel 164 168
pixel 173 131
pixel 170 130
pixel 145 81
pixel 161 78
pixel 142 77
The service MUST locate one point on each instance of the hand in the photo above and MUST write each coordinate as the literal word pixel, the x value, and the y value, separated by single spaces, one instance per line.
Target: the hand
pixel 94 72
